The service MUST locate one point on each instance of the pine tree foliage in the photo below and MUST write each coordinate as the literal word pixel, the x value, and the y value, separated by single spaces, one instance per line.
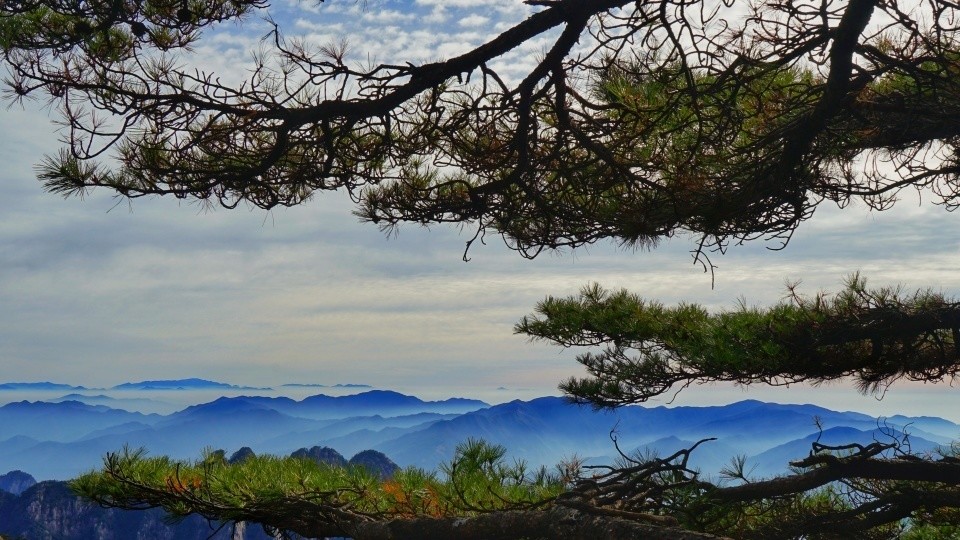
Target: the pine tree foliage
pixel 478 478
pixel 478 492
pixel 641 120
pixel 873 336
pixel 875 491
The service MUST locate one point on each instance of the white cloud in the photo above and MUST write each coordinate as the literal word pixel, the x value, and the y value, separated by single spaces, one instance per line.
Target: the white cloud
pixel 307 293
pixel 474 20
pixel 438 15
pixel 325 27
pixel 387 16
pixel 455 3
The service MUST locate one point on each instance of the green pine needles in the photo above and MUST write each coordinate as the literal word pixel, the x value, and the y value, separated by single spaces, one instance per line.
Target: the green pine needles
pixel 873 336
pixel 301 494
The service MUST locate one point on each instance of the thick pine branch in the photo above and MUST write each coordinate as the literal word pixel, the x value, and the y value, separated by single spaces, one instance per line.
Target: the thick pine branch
pixel 846 490
pixel 318 501
pixel 554 524
pixel 643 119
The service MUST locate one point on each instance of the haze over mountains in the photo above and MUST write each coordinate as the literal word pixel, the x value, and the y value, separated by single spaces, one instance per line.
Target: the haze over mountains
pixel 175 384
pixel 65 435
pixel 60 437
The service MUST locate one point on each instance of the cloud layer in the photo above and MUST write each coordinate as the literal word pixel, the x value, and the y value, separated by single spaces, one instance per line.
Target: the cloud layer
pixel 99 292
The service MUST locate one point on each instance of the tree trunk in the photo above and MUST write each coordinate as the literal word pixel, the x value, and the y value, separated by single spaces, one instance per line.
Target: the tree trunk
pixel 555 524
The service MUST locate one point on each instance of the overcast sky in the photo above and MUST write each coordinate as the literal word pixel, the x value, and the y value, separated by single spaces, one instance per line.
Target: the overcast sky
pixel 96 293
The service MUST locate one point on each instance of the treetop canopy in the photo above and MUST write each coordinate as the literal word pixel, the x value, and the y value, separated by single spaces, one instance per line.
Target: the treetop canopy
pixel 641 120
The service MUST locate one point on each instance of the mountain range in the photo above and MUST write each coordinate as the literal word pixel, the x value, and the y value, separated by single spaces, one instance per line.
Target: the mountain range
pixel 165 384
pixel 548 430
pixel 63 438
pixel 58 439
pixel 41 386
pixel 182 384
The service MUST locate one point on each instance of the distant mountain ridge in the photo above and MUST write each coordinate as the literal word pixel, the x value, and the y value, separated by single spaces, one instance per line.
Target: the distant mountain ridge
pixel 42 386
pixel 61 440
pixel 112 402
pixel 62 437
pixel 192 383
pixel 548 430
pixel 63 421
pixel 324 407
pixel 183 384
pixel 338 385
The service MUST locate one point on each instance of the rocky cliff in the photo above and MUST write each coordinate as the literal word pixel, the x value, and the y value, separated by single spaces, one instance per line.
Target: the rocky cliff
pixel 16 482
pixel 50 511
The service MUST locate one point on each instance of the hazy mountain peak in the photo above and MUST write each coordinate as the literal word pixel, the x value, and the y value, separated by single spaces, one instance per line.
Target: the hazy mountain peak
pixel 16 482
pixel 321 454
pixel 43 386
pixel 376 462
pixel 182 384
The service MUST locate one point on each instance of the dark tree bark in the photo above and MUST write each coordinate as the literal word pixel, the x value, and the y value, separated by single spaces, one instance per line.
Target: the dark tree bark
pixel 830 468
pixel 555 524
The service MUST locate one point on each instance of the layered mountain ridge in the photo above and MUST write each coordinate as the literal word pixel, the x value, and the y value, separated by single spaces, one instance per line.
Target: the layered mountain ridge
pixel 61 439
pixel 58 439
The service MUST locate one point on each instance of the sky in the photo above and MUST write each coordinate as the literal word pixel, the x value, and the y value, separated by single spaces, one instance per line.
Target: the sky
pixel 97 291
